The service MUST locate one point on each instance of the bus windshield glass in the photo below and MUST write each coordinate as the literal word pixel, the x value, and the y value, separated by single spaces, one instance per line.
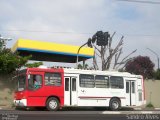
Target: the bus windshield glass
pixel 21 82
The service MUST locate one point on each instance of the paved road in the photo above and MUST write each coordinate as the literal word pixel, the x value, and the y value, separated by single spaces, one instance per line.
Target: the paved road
pixel 78 115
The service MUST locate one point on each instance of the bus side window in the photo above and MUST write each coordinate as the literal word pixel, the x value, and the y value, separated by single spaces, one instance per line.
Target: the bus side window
pixel 116 82
pixel 53 79
pixel 86 81
pixel 66 84
pixel 73 84
pixel 133 87
pixel 101 81
pixel 127 87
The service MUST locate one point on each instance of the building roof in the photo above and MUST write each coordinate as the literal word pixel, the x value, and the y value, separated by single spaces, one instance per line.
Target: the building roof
pixel 54 52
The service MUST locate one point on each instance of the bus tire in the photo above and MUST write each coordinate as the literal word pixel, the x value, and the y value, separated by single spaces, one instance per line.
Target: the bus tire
pixel 52 104
pixel 114 104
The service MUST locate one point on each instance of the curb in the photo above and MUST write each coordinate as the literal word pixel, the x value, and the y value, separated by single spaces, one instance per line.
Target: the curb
pixel 147 112
pixel 146 109
pixel 137 108
pixel 131 112
pixel 110 112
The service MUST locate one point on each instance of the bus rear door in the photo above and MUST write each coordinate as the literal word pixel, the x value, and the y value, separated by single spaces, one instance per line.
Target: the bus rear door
pixel 130 92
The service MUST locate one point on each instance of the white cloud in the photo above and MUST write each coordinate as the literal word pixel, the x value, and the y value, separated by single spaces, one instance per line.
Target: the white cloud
pixel 82 16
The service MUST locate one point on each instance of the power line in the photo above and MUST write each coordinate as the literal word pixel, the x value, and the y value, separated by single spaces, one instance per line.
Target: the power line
pixel 142 35
pixel 38 31
pixel 69 32
pixel 140 1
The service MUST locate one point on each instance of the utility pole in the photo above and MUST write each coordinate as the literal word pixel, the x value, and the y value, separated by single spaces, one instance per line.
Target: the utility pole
pixel 78 53
pixel 89 44
pixel 156 56
pixel 101 38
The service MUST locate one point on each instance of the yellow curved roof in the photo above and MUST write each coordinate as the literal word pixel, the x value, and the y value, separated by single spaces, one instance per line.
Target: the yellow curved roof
pixel 35 48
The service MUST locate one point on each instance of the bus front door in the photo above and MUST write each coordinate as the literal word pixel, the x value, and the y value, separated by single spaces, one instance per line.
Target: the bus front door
pixel 130 93
pixel 70 91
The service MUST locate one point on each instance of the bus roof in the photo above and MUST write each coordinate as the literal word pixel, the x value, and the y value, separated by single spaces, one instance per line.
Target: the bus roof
pixel 81 71
pixel 98 72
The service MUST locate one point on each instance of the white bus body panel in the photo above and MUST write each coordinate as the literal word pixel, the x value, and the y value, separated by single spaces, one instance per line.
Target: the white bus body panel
pixel 101 96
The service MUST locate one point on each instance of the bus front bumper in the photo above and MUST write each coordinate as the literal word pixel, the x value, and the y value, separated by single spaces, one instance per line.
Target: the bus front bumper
pixel 22 102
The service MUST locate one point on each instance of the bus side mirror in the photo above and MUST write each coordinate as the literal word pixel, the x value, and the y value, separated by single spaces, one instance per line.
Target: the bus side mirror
pixel 29 76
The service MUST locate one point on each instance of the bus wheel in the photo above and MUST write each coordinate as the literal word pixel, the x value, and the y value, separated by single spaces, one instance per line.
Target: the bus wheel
pixel 52 104
pixel 114 104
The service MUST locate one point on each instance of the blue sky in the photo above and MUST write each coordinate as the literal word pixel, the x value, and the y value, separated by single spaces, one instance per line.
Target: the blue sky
pixel 73 22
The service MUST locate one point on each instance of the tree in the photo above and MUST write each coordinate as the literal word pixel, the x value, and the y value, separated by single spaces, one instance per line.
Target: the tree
pixel 141 65
pixel 105 52
pixel 81 66
pixel 157 74
pixel 10 62
pixel 35 64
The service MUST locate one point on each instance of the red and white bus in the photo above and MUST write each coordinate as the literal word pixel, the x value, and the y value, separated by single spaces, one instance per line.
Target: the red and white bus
pixel 55 88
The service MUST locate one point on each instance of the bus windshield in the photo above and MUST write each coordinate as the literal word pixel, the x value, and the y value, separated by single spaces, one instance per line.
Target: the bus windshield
pixel 21 82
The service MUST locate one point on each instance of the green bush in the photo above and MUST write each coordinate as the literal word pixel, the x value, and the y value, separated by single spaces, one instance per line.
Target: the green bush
pixel 149 105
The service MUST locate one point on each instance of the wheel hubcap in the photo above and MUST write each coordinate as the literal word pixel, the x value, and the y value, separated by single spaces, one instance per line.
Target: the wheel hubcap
pixel 52 104
pixel 115 104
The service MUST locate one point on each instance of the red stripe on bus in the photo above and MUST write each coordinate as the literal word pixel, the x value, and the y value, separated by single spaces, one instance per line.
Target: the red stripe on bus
pixel 98 97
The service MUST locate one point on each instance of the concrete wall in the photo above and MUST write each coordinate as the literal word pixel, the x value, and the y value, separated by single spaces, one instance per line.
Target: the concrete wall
pixel 152 92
